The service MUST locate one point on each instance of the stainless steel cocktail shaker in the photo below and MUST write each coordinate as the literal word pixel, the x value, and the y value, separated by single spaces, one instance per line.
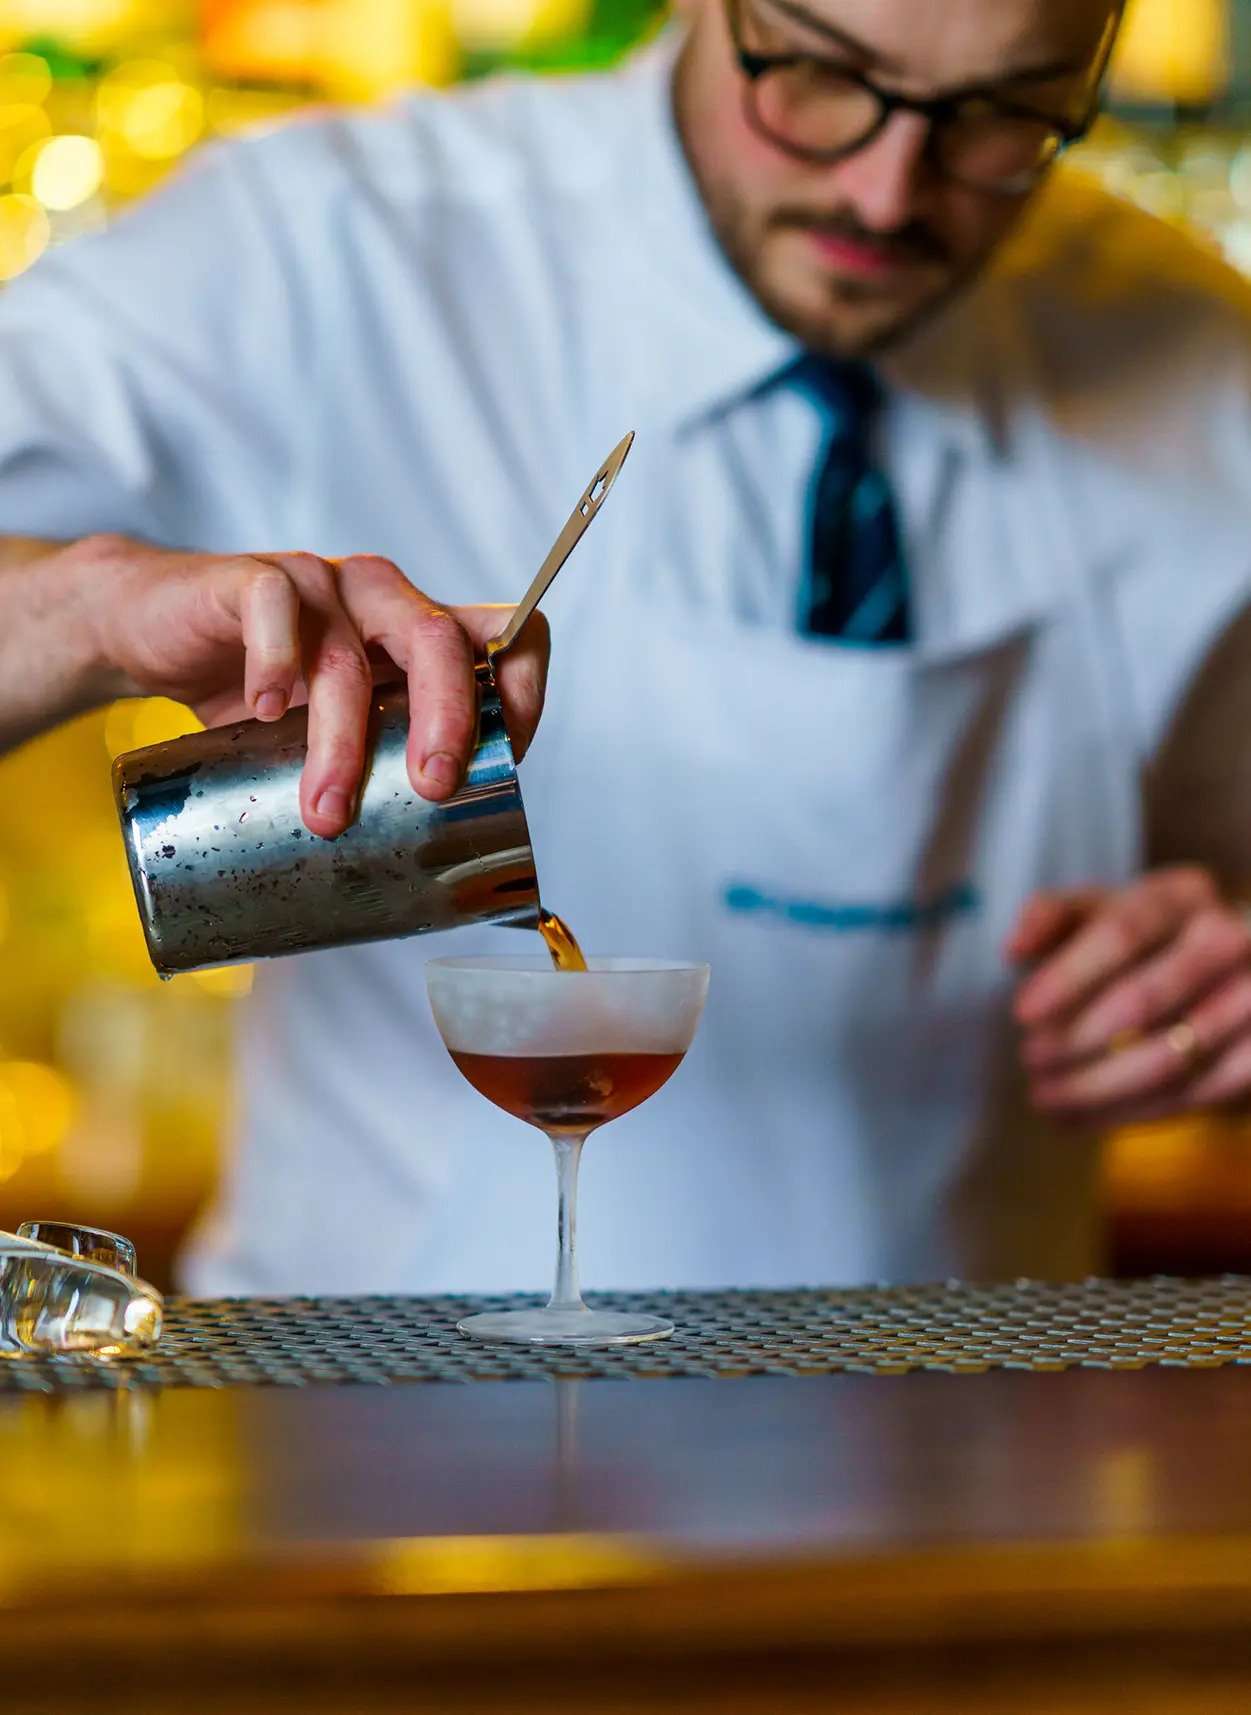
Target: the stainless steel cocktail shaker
pixel 224 869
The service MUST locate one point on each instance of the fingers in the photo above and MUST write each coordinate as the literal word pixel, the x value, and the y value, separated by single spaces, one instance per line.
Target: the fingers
pixel 269 613
pixel 443 700
pixel 1173 1076
pixel 1200 1062
pixel 302 615
pixel 520 673
pixel 1130 925
pixel 436 653
pixel 1132 1074
pixel 437 648
pixel 340 691
pixel 1145 1010
pixel 1210 946
pixel 1229 1080
pixel 1223 1082
pixel 1222 1027
pixel 1046 919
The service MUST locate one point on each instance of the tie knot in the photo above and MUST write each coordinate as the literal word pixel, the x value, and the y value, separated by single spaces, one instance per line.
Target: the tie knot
pixel 849 390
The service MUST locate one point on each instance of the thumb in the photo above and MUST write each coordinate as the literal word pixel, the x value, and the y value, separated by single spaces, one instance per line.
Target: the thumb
pixel 520 672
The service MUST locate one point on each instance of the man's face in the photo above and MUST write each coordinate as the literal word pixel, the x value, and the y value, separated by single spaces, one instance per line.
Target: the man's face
pixel 850 255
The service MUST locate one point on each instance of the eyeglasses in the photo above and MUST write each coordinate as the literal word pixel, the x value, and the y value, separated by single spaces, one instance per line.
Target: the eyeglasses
pixel 821 111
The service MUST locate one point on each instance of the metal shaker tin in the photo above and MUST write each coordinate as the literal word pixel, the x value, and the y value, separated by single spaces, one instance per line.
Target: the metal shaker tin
pixel 225 871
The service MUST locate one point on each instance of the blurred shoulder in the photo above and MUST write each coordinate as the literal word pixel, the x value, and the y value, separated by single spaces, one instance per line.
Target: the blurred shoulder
pixel 1132 339
pixel 469 145
pixel 1097 275
pixel 1130 347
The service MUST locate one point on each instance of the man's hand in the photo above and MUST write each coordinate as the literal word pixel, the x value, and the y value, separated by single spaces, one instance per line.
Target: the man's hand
pixel 1140 1005
pixel 254 635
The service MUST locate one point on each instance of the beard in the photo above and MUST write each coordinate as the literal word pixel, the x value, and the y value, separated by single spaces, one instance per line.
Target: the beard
pixel 837 317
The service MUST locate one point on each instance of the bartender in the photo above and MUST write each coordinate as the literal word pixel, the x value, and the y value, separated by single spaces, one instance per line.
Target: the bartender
pixel 905 680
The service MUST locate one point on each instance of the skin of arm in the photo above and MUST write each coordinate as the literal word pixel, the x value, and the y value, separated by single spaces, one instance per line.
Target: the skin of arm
pixel 50 667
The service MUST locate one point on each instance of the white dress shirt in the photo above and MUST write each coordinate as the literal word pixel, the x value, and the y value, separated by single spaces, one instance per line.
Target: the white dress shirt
pixel 414 332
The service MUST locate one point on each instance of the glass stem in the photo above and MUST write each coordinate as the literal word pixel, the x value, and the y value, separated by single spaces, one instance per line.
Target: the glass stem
pixel 565 1294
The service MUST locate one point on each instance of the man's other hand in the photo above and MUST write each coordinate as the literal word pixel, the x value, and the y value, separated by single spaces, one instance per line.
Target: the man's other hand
pixel 1139 1003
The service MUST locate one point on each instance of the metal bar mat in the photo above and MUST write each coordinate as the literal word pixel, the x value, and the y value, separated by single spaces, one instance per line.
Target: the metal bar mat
pixel 301 1342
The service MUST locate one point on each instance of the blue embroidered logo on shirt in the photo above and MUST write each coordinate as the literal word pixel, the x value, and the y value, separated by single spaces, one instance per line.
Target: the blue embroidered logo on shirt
pixel 903 916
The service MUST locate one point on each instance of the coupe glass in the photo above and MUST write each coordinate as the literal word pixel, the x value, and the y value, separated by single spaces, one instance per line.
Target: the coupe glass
pixel 566 1051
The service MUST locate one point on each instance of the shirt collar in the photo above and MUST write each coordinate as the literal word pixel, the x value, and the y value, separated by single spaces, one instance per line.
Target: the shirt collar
pixel 714 345
pixel 710 344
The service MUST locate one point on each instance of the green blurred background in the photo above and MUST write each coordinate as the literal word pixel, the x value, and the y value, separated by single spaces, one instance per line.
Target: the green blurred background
pixel 114 1088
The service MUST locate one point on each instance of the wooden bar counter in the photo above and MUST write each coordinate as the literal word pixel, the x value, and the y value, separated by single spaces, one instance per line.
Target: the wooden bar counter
pixel 1017 1499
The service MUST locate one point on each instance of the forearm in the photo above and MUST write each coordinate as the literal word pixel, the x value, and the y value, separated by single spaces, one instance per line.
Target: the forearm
pixel 50 668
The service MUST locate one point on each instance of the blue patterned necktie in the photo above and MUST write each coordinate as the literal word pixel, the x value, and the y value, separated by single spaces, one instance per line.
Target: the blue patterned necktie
pixel 857 587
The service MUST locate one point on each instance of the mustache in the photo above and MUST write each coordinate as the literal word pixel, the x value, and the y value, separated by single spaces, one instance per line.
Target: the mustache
pixel 914 242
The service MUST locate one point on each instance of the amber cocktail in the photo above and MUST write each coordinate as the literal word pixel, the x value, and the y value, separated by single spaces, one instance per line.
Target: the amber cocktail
pixel 566 1051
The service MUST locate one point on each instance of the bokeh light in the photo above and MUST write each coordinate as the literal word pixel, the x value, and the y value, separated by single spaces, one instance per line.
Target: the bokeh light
pixel 22 127
pixel 150 109
pixel 1174 50
pixel 25 80
pixel 24 233
pixel 269 39
pixel 85 26
pixel 37 1108
pixel 63 172
pixel 499 25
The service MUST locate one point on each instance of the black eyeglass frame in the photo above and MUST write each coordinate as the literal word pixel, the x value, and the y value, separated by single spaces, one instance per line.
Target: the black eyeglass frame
pixel 938 110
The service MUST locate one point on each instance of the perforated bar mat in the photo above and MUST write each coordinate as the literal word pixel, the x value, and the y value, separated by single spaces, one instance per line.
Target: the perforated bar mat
pixel 300 1342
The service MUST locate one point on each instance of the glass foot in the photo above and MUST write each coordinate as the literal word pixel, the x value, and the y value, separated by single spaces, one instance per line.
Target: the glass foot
pixel 565 1327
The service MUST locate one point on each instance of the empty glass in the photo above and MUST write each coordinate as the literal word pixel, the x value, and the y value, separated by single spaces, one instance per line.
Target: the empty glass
pixel 566 1051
